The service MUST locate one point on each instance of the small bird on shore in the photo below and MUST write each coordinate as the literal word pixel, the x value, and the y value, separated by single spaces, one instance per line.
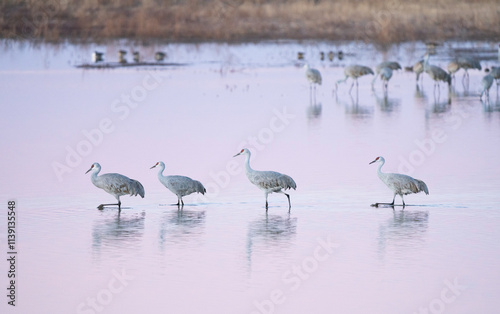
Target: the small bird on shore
pixel 268 181
pixel 115 184
pixel 400 184
pixel 179 185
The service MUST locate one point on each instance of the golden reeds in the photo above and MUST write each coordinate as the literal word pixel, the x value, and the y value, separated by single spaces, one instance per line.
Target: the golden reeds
pixel 243 20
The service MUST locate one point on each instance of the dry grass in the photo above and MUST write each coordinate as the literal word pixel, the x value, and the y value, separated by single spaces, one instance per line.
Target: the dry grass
pixel 244 20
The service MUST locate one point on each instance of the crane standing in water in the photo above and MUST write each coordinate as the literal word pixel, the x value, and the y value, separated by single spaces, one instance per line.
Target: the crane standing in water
pixel 268 181
pixel 436 73
pixel 355 71
pixel 487 81
pixel 314 77
pixel 115 184
pixel 179 185
pixel 393 66
pixel 400 184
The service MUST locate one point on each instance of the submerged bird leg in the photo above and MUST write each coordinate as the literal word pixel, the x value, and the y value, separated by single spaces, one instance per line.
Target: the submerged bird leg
pixel 289 204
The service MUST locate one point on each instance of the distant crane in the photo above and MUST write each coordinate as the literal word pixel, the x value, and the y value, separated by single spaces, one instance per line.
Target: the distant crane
pixel 385 75
pixel 453 68
pixel 393 66
pixel 354 72
pixel 313 76
pixel 467 63
pixel 495 72
pixel 436 73
pixel 179 185
pixel 400 184
pixel 268 181
pixel 115 184
pixel 487 81
pixel 418 68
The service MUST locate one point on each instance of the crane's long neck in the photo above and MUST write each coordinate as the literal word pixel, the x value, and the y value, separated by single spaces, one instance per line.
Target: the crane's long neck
pixel 248 169
pixel 93 175
pixel 379 171
pixel 160 171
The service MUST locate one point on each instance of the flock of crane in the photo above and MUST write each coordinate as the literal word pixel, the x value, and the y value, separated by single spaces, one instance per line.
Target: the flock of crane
pixel 268 181
pixel 275 182
pixel 384 71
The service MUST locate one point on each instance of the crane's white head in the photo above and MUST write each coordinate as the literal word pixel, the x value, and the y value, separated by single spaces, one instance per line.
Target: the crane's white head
pixel 158 164
pixel 95 165
pixel 378 159
pixel 306 66
pixel 244 151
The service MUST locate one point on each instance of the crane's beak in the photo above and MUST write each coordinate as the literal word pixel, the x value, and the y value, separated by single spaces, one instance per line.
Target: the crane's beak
pixel 89 169
pixel 152 167
pixel 237 154
pixel 373 162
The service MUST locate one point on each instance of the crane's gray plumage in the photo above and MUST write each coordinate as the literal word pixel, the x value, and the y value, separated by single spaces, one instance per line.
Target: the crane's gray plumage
pixel 436 73
pixel 400 184
pixel 418 68
pixel 179 185
pixel 487 81
pixel 495 73
pixel 313 75
pixel 393 66
pixel 355 71
pixel 453 67
pixel 385 75
pixel 115 184
pixel 268 181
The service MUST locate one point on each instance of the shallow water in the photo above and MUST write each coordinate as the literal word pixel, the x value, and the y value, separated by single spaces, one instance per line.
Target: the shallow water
pixel 222 253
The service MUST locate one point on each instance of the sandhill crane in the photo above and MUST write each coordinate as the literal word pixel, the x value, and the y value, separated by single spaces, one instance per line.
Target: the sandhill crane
pixel 354 72
pixel 268 181
pixel 115 184
pixel 487 81
pixel 418 68
pixel 386 64
pixel 436 73
pixel 313 76
pixel 467 63
pixel 400 184
pixel 453 67
pixel 179 185
pixel 385 75
pixel 495 72
pixel 97 56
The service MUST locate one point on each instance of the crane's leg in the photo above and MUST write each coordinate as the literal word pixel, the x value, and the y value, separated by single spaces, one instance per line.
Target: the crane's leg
pixel 350 89
pixel 289 204
pixel 403 201
pixel 101 207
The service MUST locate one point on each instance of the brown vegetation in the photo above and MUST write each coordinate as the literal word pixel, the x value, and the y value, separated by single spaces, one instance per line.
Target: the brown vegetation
pixel 245 20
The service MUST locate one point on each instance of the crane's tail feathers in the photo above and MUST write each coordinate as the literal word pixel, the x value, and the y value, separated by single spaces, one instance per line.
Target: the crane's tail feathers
pixel 287 182
pixel 137 188
pixel 422 186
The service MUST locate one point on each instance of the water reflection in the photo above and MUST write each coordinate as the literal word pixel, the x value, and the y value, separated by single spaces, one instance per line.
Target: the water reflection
pixel 386 103
pixel 404 232
pixel 491 104
pixel 180 226
pixel 119 231
pixel 354 108
pixel 270 234
pixel 314 112
pixel 441 106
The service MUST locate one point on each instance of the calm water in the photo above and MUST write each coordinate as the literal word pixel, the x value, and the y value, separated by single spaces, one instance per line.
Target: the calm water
pixel 222 253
